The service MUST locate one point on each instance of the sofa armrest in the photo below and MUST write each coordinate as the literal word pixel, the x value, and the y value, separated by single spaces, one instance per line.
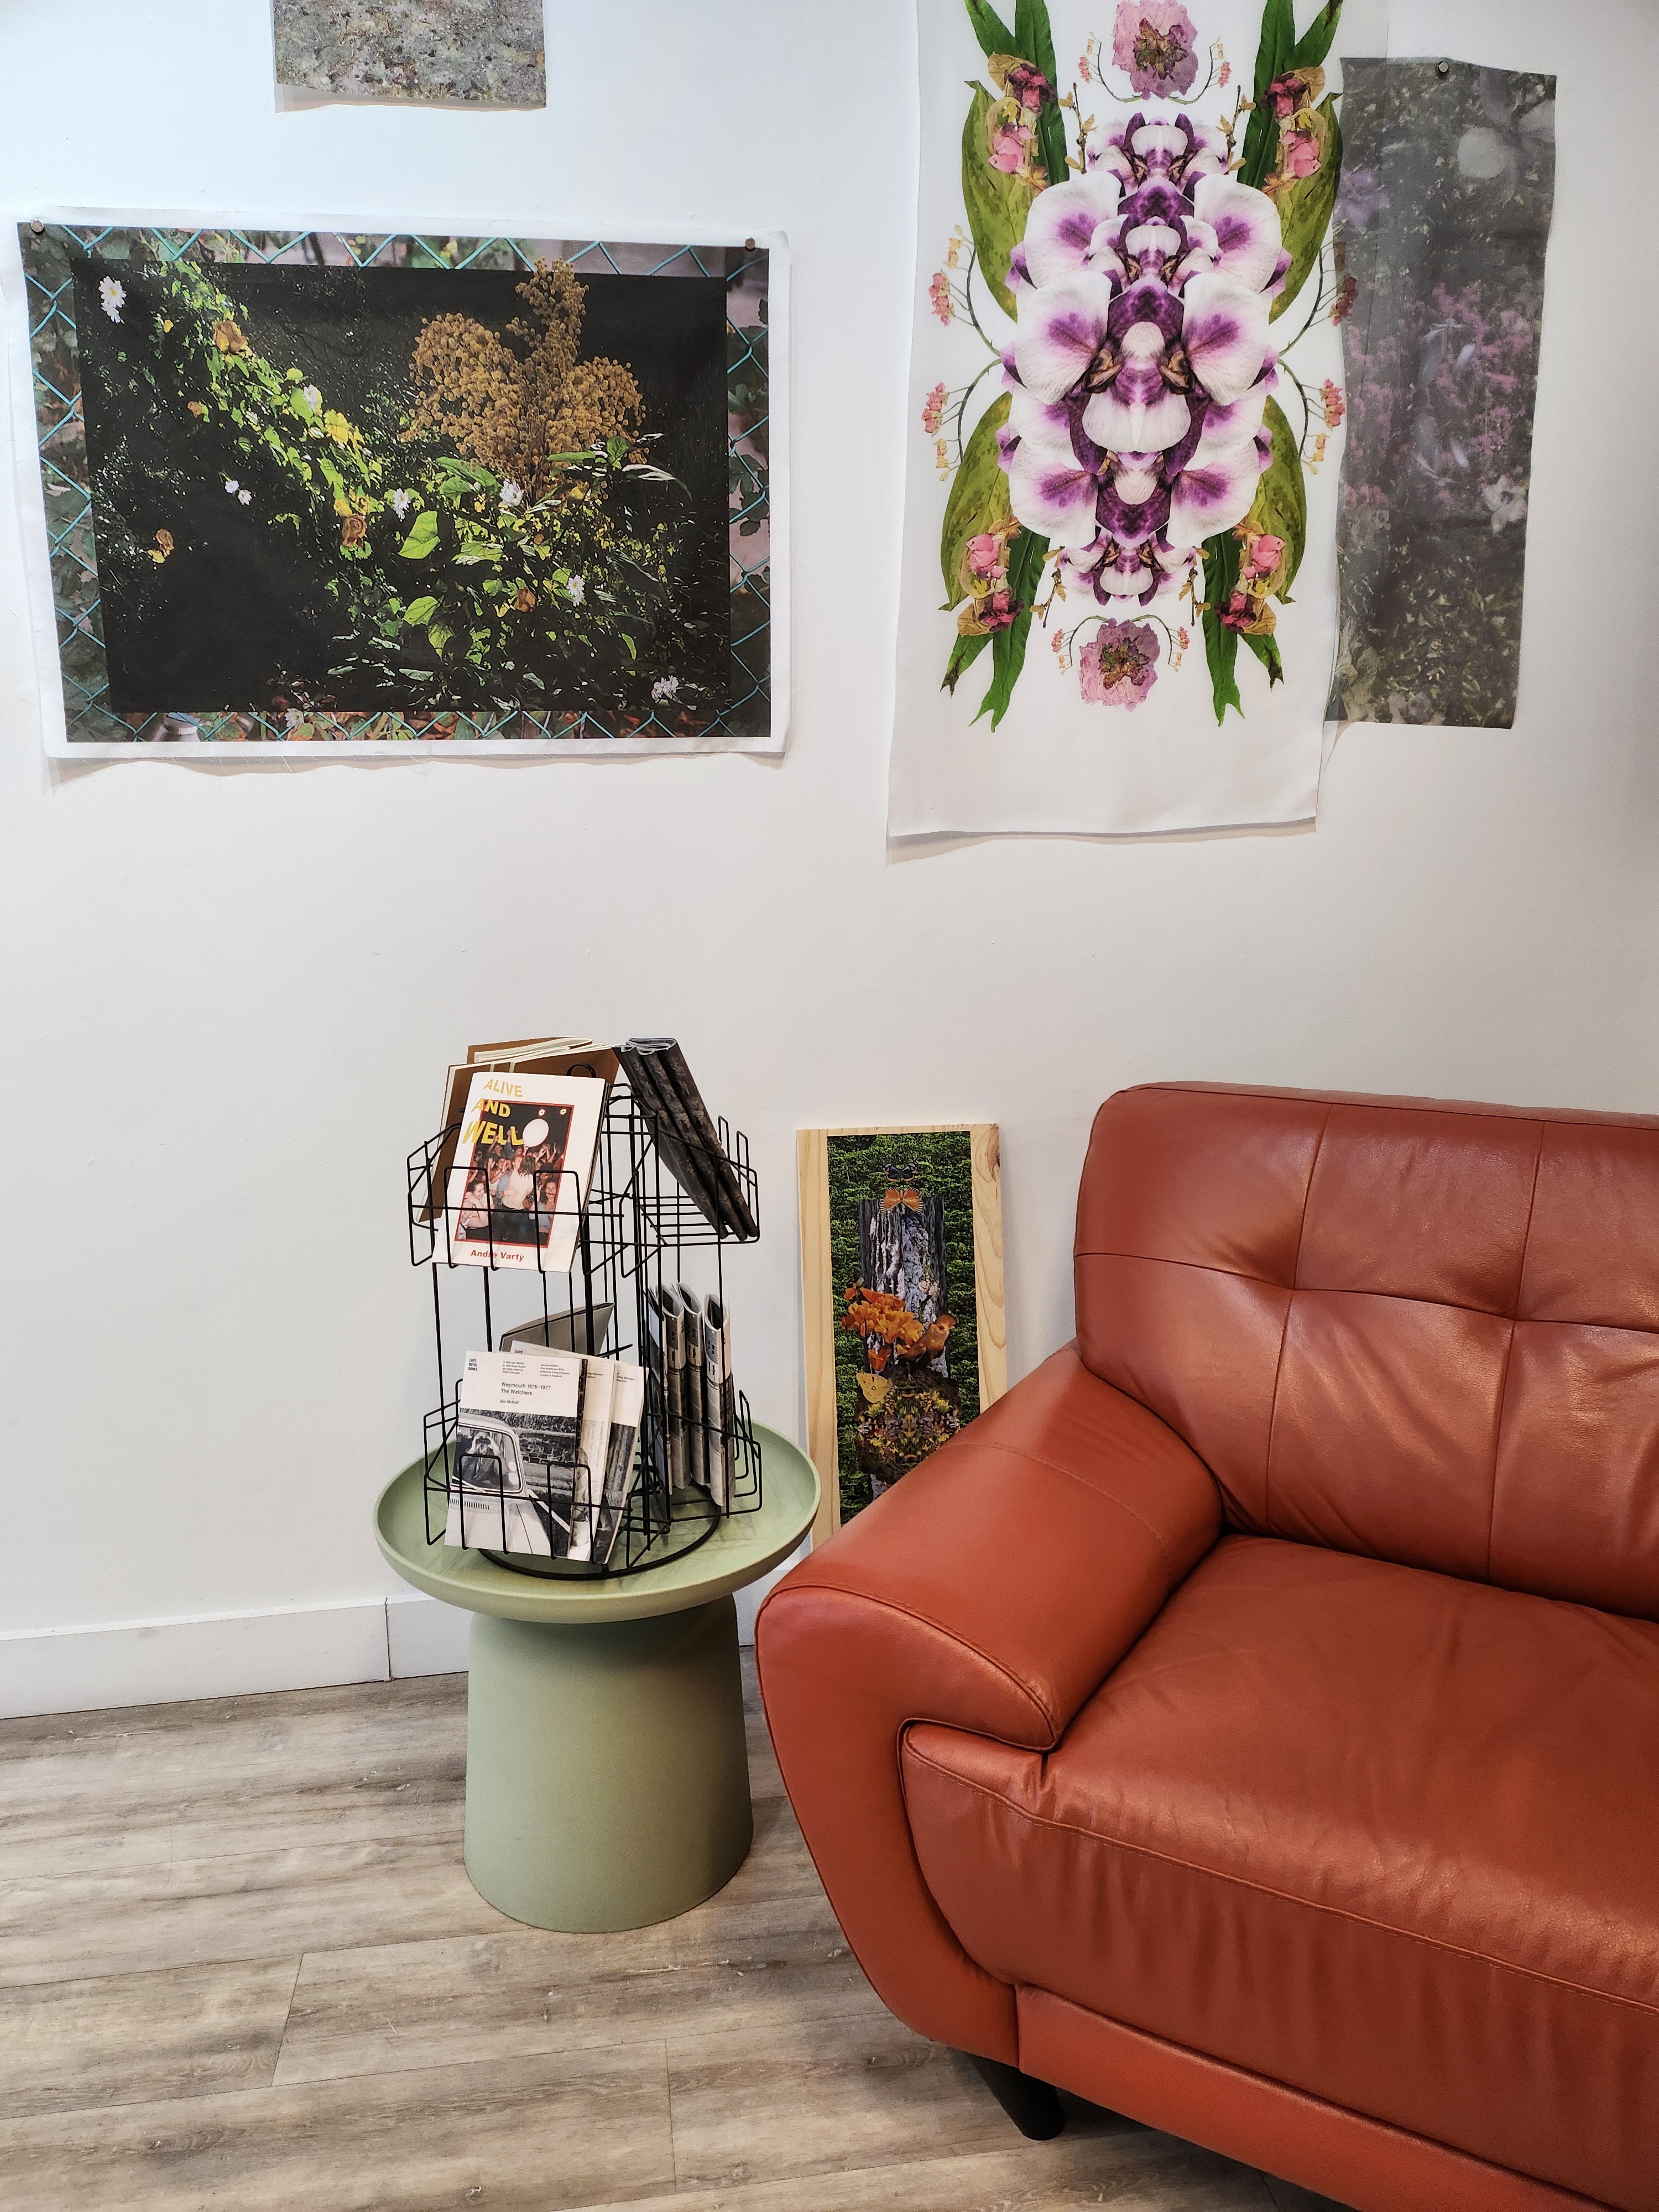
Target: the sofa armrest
pixel 993 1590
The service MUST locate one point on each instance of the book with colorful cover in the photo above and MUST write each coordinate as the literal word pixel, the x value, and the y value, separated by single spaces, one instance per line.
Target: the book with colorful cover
pixel 522 1165
pixel 521 1056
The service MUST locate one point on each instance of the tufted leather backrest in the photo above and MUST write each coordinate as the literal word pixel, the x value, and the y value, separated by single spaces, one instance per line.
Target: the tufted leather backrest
pixel 1424 1331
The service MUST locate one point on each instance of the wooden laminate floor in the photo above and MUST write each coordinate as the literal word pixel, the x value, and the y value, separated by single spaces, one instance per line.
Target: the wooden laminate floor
pixel 242 1967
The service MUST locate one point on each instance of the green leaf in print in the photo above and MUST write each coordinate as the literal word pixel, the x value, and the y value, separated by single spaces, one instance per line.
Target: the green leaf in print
pixel 965 651
pixel 421 538
pixel 989 29
pixel 1221 562
pixel 997 205
pixel 1008 646
pixel 1280 507
pixel 1304 207
pixel 1315 41
pixel 979 497
pixel 1273 58
pixel 1278 44
pixel 1266 650
pixel 1035 41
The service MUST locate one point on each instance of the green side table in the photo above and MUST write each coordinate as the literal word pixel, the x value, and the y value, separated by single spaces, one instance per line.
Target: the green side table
pixel 607 1783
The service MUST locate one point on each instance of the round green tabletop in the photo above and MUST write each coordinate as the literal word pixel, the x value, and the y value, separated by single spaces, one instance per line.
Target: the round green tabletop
pixel 743 1548
pixel 607 1777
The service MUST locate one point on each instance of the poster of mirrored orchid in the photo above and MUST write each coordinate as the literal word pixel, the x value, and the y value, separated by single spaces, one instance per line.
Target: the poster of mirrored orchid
pixel 1127 404
pixel 411 491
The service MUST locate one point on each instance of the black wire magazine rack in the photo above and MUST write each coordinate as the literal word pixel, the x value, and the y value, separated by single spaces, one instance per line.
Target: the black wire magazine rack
pixel 631 1240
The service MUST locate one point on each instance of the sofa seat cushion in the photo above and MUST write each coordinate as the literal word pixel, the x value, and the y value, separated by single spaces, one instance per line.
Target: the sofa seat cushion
pixel 1387 1836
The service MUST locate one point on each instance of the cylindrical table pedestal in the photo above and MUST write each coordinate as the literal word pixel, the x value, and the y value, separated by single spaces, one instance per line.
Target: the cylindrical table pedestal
pixel 607 1783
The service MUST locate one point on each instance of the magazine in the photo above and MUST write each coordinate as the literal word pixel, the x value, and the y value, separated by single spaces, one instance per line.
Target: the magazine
pixel 622 1463
pixel 518 1418
pixel 660 1428
pixel 593 1449
pixel 523 1163
pixel 685 1133
pixel 583 1328
pixel 664 1322
pixel 691 1399
pixel 720 1399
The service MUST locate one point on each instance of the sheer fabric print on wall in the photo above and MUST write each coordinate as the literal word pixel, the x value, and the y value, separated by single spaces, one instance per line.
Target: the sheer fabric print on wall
pixel 1119 609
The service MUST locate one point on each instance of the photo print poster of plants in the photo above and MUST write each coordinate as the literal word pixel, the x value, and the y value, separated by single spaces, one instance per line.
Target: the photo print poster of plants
pixel 1118 613
pixel 1442 222
pixel 399 493
pixel 475 53
pixel 902 1282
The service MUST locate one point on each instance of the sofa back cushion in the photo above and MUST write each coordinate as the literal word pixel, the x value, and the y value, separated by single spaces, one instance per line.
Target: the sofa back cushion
pixel 1423 1331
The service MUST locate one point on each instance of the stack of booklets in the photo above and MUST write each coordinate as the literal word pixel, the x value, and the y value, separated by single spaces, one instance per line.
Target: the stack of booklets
pixel 684 1134
pixel 689 1353
pixel 544 1457
pixel 521 1121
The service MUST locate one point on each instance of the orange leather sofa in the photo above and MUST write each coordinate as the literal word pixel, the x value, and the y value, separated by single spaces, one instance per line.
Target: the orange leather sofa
pixel 1251 1724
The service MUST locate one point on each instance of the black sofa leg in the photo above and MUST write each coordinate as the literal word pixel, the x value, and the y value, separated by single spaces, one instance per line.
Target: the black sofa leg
pixel 1032 2105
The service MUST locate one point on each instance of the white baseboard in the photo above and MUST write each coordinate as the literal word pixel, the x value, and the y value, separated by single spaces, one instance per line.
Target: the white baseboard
pixel 160 1663
pixel 426 1637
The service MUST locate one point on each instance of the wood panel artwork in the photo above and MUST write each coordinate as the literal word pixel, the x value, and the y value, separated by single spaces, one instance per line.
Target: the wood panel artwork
pixel 902 1277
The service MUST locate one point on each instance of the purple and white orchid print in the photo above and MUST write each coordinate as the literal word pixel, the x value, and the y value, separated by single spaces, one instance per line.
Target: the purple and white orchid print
pixel 1144 259
pixel 1143 363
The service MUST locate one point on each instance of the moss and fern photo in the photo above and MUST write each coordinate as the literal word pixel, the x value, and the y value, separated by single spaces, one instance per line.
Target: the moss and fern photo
pixel 435 491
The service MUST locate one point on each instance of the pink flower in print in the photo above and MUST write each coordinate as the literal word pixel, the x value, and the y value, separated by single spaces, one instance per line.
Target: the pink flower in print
pixel 1155 42
pixel 938 291
pixel 1263 554
pixel 988 553
pixel 1298 154
pixel 1023 82
pixel 1119 665
pixel 932 411
pixel 1335 405
pixel 1009 143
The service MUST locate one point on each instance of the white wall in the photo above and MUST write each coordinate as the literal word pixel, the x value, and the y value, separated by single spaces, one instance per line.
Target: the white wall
pixel 213 1356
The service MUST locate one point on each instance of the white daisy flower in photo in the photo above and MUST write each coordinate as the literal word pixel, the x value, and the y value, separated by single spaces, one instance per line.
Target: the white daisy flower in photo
pixel 312 398
pixel 113 297
pixel 664 687
pixel 231 485
pixel 400 502
pixel 511 495
pixel 577 589
pixel 245 497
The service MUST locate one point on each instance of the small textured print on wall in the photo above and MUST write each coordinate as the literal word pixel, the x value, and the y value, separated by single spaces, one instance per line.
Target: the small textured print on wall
pixel 305 488
pixel 901 1259
pixel 1442 223
pixel 1126 416
pixel 483 53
